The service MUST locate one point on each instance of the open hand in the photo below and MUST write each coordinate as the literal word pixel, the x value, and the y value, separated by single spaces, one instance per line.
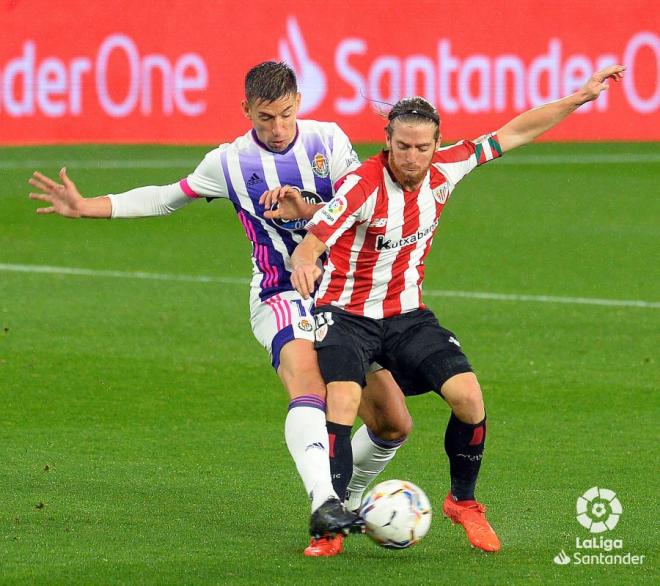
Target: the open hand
pixel 284 203
pixel 63 198
pixel 597 83
pixel 304 277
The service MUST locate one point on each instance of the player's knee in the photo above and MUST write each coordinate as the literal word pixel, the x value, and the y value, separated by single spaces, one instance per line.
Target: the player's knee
pixel 401 427
pixel 393 429
pixel 464 396
pixel 343 400
pixel 473 404
pixel 395 434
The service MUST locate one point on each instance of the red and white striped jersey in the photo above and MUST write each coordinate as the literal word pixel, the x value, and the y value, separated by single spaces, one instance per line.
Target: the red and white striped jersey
pixel 379 234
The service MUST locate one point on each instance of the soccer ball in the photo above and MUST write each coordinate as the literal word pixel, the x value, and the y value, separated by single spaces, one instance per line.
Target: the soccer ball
pixel 396 513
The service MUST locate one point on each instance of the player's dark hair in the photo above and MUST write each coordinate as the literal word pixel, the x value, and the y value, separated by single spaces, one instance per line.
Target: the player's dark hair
pixel 270 81
pixel 413 111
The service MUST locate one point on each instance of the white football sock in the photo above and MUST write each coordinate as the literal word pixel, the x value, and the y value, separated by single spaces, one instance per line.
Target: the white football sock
pixel 369 460
pixel 307 439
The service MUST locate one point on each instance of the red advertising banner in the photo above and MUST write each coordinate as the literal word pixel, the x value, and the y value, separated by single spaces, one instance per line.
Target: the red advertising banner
pixel 172 71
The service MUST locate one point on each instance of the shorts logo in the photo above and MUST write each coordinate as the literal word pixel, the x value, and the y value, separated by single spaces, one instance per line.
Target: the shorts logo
pixel 323 322
pixel 305 325
pixel 333 209
pixel 320 166
pixel 598 510
pixel 441 193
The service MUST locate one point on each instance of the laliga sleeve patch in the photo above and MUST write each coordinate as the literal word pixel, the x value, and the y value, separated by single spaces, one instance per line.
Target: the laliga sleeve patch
pixel 333 210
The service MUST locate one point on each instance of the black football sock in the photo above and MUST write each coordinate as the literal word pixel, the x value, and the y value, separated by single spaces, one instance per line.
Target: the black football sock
pixel 464 444
pixel 341 456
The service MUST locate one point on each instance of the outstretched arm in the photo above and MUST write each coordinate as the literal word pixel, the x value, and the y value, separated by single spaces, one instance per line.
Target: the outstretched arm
pixel 304 269
pixel 531 124
pixel 65 199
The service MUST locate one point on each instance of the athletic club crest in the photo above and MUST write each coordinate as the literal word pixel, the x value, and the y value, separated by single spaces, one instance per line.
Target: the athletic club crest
pixel 320 166
pixel 441 193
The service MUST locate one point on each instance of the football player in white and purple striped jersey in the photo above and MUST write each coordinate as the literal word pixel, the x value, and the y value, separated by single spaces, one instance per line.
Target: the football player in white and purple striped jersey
pixel 312 156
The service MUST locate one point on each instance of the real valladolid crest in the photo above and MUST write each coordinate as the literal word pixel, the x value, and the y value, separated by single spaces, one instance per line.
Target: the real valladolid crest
pixel 598 510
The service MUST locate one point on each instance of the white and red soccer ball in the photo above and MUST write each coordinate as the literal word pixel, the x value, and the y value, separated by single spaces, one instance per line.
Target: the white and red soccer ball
pixel 397 514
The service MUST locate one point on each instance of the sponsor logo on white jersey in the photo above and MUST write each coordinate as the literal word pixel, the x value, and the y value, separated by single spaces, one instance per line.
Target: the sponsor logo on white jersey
pixel 352 159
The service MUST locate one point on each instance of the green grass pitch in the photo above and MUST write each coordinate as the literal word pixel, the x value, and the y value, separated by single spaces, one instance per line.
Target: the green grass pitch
pixel 141 428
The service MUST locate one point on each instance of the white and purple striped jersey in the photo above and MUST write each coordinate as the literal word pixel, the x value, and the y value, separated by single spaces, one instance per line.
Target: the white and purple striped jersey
pixel 319 156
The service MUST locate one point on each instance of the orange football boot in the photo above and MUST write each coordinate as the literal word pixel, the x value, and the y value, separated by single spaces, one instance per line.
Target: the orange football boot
pixel 471 515
pixel 325 546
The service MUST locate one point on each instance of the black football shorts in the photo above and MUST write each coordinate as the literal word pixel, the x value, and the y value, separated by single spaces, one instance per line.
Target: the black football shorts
pixel 418 351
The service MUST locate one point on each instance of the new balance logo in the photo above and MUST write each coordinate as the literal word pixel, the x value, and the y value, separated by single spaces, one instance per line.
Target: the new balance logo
pixel 254 180
pixel 378 223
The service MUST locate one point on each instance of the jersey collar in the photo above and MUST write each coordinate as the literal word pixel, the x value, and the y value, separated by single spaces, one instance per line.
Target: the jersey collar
pixel 285 151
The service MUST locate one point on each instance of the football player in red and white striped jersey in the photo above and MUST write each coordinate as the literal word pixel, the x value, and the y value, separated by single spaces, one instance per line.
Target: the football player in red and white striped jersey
pixel 378 229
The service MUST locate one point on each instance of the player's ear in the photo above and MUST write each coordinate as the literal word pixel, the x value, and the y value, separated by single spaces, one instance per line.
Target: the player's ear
pixel 245 105
pixel 298 98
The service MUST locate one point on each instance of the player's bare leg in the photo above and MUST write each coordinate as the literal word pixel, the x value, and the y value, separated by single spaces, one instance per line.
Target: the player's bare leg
pixel 343 402
pixel 464 444
pixel 387 424
pixel 307 439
